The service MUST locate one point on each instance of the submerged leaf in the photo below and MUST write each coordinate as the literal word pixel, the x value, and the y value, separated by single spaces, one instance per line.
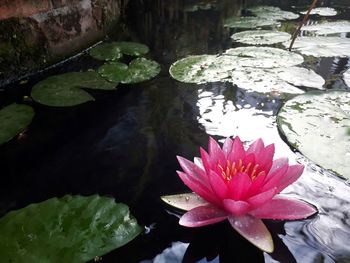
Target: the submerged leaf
pixel 69 229
pixel 316 123
pixel 261 37
pixel 14 119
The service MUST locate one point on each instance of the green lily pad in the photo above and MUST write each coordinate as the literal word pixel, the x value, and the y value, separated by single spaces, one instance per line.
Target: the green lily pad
pixel 346 77
pixel 273 13
pixel 316 124
pixel 261 37
pixel 132 48
pixel 327 28
pixel 141 69
pixel 322 11
pixel 65 90
pixel 250 22
pixel 115 71
pixel 69 229
pixel 322 46
pixel 106 51
pixel 14 119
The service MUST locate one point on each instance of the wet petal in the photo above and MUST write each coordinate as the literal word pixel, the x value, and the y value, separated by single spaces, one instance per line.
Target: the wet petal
pixel 262 198
pixel 265 158
pixel 293 174
pixel 254 230
pixel 202 216
pixel 236 208
pixel 256 147
pixel 215 152
pixel 227 147
pixel 218 185
pixel 207 162
pixel 284 208
pixel 237 151
pixel 239 185
pixel 273 179
pixel 257 184
pixel 193 170
pixel 278 163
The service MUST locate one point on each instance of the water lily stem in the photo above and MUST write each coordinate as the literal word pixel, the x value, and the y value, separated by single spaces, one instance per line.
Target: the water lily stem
pixel 303 22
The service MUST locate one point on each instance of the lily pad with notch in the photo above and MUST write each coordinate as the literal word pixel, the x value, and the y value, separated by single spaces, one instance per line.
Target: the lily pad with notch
pixel 250 22
pixel 106 51
pixel 272 12
pixel 317 123
pixel 69 229
pixel 132 48
pixel 261 37
pixel 14 119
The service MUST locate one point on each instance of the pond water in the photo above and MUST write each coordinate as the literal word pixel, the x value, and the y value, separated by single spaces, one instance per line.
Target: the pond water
pixel 124 144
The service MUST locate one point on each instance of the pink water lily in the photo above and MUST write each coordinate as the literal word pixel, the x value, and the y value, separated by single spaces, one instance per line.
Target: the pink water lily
pixel 242 186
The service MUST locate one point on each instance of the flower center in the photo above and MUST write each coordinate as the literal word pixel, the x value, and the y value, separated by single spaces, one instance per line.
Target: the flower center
pixel 232 169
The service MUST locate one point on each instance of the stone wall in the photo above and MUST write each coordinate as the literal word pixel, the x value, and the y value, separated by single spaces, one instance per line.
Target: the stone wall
pixel 37 33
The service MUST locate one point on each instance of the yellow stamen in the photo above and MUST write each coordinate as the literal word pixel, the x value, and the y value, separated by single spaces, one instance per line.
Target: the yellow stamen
pixel 253 176
pixel 247 168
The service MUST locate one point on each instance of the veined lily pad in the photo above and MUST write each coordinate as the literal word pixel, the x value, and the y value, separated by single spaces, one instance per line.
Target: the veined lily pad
pixel 14 119
pixel 65 90
pixel 249 22
pixel 317 124
pixel 69 229
pixel 265 57
pixel 261 37
pixel 106 51
pixel 272 12
pixel 322 11
pixel 132 48
pixel 327 28
pixel 322 46
pixel 115 71
pixel 347 77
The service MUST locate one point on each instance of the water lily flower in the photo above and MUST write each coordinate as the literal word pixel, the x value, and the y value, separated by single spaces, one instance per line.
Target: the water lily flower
pixel 242 186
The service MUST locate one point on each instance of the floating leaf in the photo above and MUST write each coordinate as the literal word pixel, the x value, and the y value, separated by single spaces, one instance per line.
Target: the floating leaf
pixel 272 12
pixel 69 229
pixel 347 77
pixel 14 119
pixel 249 22
pixel 322 46
pixel 322 11
pixel 261 37
pixel 265 57
pixel 87 80
pixel 317 123
pixel 327 28
pixel 106 51
pixel 132 48
pixel 115 71
pixel 141 69
pixel 185 201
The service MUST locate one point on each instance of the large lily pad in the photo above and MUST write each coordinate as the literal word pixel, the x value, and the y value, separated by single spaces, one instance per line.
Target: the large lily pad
pixel 322 46
pixel 65 90
pixel 69 229
pixel 261 37
pixel 106 51
pixel 272 12
pixel 347 77
pixel 317 124
pixel 322 11
pixel 250 22
pixel 327 28
pixel 14 119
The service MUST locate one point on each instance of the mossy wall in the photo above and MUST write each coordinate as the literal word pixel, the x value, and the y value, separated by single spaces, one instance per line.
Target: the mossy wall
pixel 36 34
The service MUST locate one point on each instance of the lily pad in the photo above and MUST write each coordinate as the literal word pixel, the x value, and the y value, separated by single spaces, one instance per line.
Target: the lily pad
pixel 272 12
pixel 347 77
pixel 185 202
pixel 69 229
pixel 317 124
pixel 132 48
pixel 327 28
pixel 115 71
pixel 106 51
pixel 265 57
pixel 261 37
pixel 14 119
pixel 141 69
pixel 249 22
pixel 322 46
pixel 322 11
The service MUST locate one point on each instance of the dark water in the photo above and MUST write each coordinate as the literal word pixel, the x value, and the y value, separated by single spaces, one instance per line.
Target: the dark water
pixel 124 145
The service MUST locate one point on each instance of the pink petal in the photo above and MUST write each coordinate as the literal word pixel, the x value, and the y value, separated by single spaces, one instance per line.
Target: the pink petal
pixel 256 147
pixel 278 163
pixel 202 216
pixel 215 152
pixel 293 174
pixel 237 151
pixel 262 198
pixel 254 230
pixel 218 185
pixel 193 170
pixel 227 147
pixel 284 208
pixel 265 158
pixel 239 185
pixel 274 178
pixel 257 184
pixel 236 208
pixel 200 189
pixel 205 160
